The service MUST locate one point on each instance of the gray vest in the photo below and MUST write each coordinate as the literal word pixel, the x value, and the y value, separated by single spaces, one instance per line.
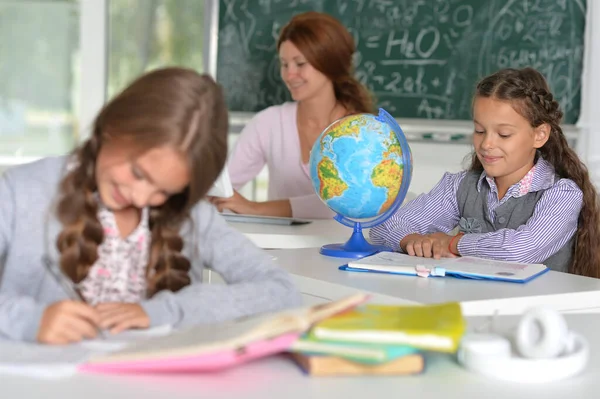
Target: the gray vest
pixel 472 205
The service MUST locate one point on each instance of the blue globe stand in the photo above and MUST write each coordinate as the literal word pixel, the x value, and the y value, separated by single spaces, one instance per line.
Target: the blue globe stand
pixel 357 246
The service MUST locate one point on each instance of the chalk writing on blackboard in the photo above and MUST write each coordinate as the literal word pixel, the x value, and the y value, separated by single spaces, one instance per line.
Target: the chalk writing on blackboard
pixel 421 58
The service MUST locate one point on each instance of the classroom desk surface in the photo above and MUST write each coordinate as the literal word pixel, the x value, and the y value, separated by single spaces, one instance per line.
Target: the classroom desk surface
pixel 277 377
pixel 318 276
pixel 314 234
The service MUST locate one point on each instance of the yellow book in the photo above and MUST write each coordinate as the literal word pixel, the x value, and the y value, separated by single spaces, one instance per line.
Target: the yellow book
pixel 431 327
pixel 325 366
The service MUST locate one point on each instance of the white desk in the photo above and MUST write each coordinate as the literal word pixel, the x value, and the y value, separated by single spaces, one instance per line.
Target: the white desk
pixel 318 277
pixel 270 236
pixel 314 234
pixel 278 377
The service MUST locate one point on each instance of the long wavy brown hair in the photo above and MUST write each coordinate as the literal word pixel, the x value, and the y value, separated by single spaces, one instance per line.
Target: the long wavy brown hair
pixel 530 96
pixel 328 47
pixel 170 106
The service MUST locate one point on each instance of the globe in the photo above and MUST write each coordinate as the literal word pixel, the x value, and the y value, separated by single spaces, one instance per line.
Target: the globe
pixel 361 168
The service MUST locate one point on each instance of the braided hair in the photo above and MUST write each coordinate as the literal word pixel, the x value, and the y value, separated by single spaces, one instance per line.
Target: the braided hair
pixel 530 96
pixel 175 106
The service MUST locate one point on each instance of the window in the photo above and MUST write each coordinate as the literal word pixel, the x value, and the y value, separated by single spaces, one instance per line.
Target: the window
pixel 54 51
pixel 147 34
pixel 39 63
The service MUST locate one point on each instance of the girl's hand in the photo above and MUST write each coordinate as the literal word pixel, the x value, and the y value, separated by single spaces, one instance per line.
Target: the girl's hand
pixel 237 204
pixel 118 317
pixel 68 321
pixel 427 246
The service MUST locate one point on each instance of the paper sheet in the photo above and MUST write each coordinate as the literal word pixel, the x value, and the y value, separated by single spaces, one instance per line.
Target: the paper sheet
pixel 121 340
pixel 60 361
pixel 41 361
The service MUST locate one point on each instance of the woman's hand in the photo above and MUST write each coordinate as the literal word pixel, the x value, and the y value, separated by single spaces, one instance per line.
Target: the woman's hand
pixel 237 204
pixel 428 246
pixel 118 317
pixel 68 321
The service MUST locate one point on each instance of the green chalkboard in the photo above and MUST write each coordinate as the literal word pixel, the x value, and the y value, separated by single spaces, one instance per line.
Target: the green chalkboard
pixel 421 58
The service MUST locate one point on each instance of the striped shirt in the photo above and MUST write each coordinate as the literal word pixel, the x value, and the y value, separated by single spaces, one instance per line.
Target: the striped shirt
pixel 552 225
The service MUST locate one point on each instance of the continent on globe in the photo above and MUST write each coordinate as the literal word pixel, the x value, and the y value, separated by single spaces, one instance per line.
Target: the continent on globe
pixel 331 185
pixel 356 166
pixel 344 127
pixel 388 173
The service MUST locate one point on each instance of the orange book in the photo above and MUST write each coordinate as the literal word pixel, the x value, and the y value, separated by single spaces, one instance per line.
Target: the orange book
pixel 325 366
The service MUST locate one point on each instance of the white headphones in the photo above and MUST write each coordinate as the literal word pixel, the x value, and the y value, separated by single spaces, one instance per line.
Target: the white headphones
pixel 545 350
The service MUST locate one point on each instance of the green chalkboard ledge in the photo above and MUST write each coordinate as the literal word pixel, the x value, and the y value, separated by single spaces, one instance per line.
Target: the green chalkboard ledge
pixel 415 129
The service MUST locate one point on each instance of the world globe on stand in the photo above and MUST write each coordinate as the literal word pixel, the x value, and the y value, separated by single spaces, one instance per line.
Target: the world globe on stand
pixel 361 168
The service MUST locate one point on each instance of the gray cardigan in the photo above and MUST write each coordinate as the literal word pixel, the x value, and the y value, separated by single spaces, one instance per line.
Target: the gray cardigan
pixel 29 228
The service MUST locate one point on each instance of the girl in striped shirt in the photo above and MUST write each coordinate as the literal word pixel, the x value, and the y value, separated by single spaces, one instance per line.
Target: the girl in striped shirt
pixel 526 197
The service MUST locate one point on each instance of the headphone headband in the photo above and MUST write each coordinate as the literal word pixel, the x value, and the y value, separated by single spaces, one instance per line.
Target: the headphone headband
pixel 545 350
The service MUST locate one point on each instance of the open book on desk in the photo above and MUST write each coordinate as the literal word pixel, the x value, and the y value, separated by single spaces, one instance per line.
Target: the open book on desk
pixel 240 218
pixel 218 346
pixel 461 267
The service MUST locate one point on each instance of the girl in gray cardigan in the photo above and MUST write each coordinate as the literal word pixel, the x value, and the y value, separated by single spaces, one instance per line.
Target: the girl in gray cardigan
pixel 124 219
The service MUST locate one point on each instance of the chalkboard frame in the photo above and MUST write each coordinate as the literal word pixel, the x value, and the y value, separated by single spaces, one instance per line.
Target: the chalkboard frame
pixel 416 129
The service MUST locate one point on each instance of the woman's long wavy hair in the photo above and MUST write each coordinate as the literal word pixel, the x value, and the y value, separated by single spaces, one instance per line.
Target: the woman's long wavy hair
pixel 170 106
pixel 328 47
pixel 530 96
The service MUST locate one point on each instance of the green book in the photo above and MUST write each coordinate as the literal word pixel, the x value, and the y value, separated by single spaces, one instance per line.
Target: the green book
pixel 358 352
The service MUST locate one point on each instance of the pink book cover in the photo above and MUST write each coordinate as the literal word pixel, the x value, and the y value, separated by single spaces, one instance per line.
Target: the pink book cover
pixel 214 347
pixel 207 362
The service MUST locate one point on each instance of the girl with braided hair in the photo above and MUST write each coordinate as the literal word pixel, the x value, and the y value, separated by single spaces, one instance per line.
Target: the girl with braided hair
pixel 124 218
pixel 526 197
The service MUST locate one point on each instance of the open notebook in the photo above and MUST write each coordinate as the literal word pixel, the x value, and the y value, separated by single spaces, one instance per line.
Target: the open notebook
pixel 217 346
pixel 462 267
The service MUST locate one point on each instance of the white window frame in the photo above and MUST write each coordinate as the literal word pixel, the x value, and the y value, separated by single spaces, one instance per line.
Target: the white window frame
pixel 93 33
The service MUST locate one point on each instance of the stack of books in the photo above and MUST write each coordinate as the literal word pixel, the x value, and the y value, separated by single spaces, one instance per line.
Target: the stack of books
pixel 379 340
pixel 343 337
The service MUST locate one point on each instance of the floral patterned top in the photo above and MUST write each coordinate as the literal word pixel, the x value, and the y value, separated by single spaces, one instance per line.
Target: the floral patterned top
pixel 119 274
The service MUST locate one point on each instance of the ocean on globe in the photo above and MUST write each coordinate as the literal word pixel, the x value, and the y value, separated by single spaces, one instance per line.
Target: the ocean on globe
pixel 356 166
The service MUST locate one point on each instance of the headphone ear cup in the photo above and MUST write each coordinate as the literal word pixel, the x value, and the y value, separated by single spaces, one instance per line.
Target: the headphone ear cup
pixel 479 352
pixel 542 333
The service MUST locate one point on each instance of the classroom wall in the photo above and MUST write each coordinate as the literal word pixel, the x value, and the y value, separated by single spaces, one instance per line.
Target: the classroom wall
pixel 432 160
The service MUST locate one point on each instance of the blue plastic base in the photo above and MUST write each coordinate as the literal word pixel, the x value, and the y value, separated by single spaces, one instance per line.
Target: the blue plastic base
pixel 339 251
pixel 356 247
